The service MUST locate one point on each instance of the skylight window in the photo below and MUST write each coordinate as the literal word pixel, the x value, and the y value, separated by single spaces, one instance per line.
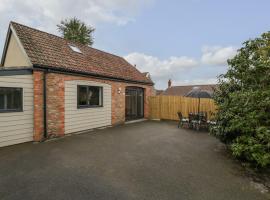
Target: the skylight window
pixel 74 48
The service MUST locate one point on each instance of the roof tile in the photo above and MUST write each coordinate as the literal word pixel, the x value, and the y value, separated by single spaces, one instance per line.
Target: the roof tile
pixel 183 90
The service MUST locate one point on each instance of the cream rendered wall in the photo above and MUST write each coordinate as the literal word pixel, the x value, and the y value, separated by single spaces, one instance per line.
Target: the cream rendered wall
pixel 77 120
pixel 15 56
pixel 17 127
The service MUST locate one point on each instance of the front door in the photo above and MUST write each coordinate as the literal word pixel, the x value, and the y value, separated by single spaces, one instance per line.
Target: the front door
pixel 134 103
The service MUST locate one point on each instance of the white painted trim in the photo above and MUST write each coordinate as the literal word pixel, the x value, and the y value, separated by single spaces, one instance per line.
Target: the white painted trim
pixel 20 45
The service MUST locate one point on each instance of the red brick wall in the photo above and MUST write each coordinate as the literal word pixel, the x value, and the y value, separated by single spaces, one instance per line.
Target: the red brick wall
pixel 55 104
pixel 118 103
pixel 38 105
pixel 56 98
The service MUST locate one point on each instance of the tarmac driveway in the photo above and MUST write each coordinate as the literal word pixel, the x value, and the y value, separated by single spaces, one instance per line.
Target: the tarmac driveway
pixel 147 160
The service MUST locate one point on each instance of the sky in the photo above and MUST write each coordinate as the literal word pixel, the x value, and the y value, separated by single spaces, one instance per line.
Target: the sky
pixel 188 41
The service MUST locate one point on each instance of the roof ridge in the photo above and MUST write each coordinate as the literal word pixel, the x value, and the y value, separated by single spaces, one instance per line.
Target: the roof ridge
pixel 12 22
pixel 193 85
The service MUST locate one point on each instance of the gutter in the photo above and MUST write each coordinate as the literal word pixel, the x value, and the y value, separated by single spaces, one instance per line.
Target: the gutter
pixel 88 74
pixel 11 71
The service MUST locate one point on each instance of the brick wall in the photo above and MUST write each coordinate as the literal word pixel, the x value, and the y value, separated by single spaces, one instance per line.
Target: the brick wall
pixel 55 104
pixel 38 105
pixel 56 98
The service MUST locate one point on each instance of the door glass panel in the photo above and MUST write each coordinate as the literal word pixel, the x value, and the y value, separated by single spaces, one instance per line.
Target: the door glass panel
pixel 134 103
pixel 140 103
pixel 128 104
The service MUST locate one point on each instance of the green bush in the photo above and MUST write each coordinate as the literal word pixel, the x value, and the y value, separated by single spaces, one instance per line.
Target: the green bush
pixel 243 99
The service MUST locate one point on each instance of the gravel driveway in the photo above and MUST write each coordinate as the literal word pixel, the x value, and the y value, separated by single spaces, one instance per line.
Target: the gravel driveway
pixel 147 160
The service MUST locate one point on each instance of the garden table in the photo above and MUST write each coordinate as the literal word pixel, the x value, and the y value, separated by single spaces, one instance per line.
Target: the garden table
pixel 198 120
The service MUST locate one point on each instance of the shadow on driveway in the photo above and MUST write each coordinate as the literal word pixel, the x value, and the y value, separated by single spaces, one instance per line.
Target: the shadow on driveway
pixel 147 160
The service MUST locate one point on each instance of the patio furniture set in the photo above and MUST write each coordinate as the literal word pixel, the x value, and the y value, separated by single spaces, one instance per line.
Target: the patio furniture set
pixel 200 119
pixel 197 121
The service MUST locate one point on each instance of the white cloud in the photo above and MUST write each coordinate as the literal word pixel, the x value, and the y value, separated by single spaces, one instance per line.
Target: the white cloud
pixel 185 70
pixel 45 14
pixel 93 11
pixel 161 69
pixel 215 55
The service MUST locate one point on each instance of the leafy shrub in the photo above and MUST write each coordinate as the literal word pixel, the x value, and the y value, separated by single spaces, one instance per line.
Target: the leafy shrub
pixel 243 99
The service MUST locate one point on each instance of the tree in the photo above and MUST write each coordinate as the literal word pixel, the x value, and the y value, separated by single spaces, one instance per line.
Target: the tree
pixel 243 98
pixel 75 30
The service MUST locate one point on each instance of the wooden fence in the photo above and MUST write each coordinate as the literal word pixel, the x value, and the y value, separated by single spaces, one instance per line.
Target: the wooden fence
pixel 166 107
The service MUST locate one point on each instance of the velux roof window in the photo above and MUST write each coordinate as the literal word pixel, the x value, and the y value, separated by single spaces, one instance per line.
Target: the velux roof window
pixel 74 48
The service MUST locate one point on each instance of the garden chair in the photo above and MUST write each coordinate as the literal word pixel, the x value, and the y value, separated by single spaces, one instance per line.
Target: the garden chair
pixel 211 121
pixel 182 120
pixel 193 120
pixel 202 121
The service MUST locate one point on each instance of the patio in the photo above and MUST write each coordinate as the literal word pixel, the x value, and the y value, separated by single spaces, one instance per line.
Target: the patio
pixel 146 160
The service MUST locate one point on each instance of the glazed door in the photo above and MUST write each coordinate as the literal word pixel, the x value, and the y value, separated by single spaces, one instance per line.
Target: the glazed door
pixel 134 103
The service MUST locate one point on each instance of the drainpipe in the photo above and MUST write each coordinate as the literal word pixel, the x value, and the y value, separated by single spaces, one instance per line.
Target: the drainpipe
pixel 45 134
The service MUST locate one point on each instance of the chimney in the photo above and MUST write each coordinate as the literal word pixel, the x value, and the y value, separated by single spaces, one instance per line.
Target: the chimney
pixel 169 83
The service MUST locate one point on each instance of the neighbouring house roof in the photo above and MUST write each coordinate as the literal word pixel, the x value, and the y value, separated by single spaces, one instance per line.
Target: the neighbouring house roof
pixel 53 52
pixel 183 90
pixel 147 75
pixel 159 92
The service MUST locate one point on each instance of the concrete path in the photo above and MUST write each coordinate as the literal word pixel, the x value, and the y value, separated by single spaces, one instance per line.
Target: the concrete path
pixel 147 160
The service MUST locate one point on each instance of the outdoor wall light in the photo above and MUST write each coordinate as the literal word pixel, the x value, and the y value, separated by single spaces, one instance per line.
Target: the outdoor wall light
pixel 119 90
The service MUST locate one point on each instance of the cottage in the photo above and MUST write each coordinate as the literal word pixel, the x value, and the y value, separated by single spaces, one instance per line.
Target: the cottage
pixel 50 86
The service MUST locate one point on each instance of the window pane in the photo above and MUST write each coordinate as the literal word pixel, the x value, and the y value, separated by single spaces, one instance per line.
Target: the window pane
pixel 94 96
pixel 82 96
pixel 14 99
pixel 2 99
pixel 11 99
pixel 89 96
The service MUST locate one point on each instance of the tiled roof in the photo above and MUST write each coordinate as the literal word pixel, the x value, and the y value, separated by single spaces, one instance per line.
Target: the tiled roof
pixel 48 50
pixel 159 92
pixel 147 75
pixel 183 90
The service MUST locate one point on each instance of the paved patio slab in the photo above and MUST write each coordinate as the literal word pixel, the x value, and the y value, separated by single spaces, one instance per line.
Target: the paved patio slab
pixel 147 160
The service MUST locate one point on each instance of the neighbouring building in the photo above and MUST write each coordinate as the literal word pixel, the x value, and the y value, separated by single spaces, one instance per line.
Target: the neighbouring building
pixel 185 89
pixel 50 86
pixel 159 92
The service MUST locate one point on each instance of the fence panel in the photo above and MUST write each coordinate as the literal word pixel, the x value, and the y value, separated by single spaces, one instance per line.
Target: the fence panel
pixel 166 107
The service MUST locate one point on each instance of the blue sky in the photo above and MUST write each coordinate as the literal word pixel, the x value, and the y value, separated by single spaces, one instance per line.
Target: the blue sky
pixel 188 41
